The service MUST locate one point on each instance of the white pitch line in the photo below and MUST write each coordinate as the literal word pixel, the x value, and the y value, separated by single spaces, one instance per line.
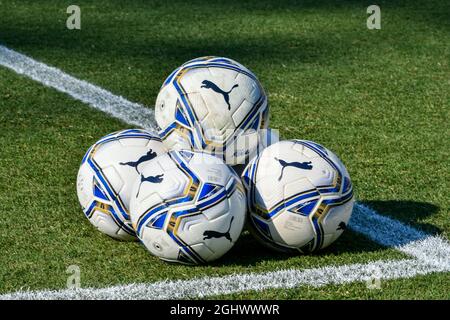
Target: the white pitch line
pixel 431 253
pixel 96 97
pixel 393 233
pixel 211 286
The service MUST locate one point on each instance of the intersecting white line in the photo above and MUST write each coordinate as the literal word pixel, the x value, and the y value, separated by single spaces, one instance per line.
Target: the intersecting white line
pixel 393 233
pixel 429 253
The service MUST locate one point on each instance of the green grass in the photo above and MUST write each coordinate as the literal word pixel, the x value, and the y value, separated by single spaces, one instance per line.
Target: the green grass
pixel 431 287
pixel 378 98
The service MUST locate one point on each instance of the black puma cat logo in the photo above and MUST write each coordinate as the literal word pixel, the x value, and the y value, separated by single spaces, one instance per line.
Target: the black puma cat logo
pixel 149 156
pixel 208 234
pixel 342 226
pixel 153 179
pixel 301 165
pixel 226 94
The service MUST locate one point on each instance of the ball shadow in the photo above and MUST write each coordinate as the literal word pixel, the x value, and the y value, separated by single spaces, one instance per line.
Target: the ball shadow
pixel 249 252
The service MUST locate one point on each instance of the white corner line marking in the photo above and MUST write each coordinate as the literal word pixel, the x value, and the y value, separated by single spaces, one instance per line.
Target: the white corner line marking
pixel 96 97
pixel 211 286
pixel 393 233
pixel 429 253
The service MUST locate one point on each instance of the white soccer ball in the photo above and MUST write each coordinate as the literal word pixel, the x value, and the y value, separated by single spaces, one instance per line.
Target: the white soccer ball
pixel 300 196
pixel 107 174
pixel 215 105
pixel 188 207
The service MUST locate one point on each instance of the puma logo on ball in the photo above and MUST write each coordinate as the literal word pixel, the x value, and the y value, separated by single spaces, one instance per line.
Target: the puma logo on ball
pixel 153 179
pixel 300 165
pixel 149 156
pixel 342 226
pixel 226 94
pixel 208 234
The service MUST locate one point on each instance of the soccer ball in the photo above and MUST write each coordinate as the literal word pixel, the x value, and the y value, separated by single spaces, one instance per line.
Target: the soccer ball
pixel 300 196
pixel 107 174
pixel 215 105
pixel 188 207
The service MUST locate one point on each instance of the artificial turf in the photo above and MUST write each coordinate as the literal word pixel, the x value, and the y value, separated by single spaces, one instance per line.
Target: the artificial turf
pixel 378 98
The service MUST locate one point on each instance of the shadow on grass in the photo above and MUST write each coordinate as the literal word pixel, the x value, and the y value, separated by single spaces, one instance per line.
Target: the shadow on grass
pixel 161 31
pixel 408 212
pixel 249 252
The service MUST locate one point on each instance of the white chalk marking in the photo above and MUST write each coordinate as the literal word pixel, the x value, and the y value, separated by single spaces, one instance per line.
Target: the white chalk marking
pixel 393 233
pixel 96 97
pixel 430 253
pixel 210 286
